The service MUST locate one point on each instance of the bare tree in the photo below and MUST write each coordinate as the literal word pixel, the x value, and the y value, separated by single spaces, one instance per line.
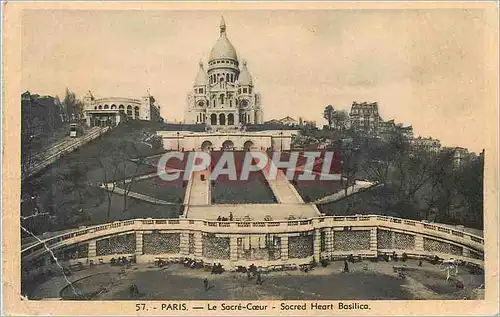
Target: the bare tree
pixel 351 156
pixel 109 160
pixel 129 180
pixel 73 107
pixel 340 120
pixel 328 115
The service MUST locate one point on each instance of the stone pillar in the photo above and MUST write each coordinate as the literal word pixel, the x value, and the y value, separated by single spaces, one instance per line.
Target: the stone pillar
pixel 284 248
pixel 138 243
pixel 184 244
pixel 329 242
pixel 393 239
pixel 198 245
pixel 419 242
pixel 373 240
pixel 317 245
pixel 233 248
pixel 92 249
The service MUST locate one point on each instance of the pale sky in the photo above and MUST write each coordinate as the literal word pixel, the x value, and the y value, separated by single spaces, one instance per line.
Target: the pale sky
pixel 423 67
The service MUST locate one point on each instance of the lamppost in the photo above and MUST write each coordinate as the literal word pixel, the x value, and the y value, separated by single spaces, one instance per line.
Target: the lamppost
pixel 178 146
pixel 281 138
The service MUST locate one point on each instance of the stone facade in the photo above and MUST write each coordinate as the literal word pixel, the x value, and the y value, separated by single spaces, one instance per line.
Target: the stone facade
pixel 365 118
pixel 110 111
pixel 426 144
pixel 223 95
pixel 264 140
pixel 265 244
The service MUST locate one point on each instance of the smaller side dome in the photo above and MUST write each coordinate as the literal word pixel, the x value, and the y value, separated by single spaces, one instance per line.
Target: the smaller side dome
pixel 245 79
pixel 201 78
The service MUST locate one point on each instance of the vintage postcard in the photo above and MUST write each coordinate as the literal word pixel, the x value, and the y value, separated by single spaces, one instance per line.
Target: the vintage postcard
pixel 250 158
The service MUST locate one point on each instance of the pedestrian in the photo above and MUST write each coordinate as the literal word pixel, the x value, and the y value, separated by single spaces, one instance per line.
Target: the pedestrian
pixel 259 279
pixel 230 216
pixel 205 284
pixel 346 266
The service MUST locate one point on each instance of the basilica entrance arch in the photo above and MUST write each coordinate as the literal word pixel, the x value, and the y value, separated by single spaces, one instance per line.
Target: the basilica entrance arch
pixel 228 145
pixel 248 145
pixel 213 119
pixel 206 146
pixel 230 119
pixel 222 119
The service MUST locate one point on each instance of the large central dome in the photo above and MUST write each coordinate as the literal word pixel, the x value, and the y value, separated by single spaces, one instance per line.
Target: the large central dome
pixel 223 49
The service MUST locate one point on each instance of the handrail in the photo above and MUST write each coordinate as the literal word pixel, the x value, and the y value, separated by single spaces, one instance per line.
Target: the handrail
pixel 325 221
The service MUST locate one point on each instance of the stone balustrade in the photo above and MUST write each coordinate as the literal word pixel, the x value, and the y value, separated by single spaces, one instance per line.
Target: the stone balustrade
pixel 269 242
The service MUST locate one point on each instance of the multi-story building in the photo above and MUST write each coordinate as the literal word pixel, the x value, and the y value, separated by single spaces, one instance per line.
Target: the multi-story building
pixel 426 144
pixel 223 95
pixel 460 156
pixel 388 128
pixel 365 118
pixel 110 111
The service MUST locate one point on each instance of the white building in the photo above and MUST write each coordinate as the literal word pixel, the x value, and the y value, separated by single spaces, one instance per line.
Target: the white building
pixel 110 111
pixel 223 95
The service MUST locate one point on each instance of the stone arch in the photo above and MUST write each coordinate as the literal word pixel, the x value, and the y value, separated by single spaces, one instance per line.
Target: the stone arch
pixel 100 107
pixel 222 119
pixel 113 107
pixel 213 119
pixel 248 145
pixel 106 107
pixel 136 112
pixel 206 146
pixel 122 108
pixel 129 111
pixel 230 119
pixel 228 145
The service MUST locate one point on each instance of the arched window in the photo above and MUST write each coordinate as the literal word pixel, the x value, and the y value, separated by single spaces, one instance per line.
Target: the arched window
pixel 106 107
pixel 100 107
pixel 222 119
pixel 129 111
pixel 213 119
pixel 230 102
pixel 122 108
pixel 136 112
pixel 113 106
pixel 221 99
pixel 232 78
pixel 227 77
pixel 230 119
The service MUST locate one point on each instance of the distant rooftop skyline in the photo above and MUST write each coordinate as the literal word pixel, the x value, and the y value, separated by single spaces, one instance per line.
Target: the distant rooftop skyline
pixel 424 68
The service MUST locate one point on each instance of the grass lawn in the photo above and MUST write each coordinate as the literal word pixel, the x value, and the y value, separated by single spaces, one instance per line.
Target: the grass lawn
pixel 172 191
pixel 255 190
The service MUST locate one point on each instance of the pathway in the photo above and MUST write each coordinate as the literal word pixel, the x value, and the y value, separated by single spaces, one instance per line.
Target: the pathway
pixel 283 190
pixel 200 190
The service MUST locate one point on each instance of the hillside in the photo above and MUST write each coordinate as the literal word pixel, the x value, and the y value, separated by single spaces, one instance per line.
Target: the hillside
pixel 68 191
